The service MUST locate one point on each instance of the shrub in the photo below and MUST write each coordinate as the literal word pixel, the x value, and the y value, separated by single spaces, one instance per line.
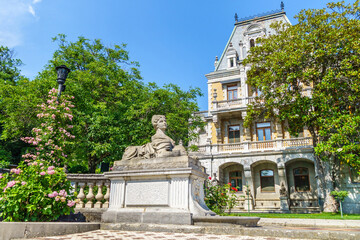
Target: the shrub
pixel 5 158
pixel 219 197
pixel 340 196
pixel 52 138
pixel 35 192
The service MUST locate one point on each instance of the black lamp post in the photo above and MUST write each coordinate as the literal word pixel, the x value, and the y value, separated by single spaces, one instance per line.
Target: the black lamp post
pixel 62 72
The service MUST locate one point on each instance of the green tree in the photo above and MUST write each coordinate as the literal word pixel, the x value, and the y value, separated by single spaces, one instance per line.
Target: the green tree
pixel 9 71
pixel 113 107
pixel 320 53
pixel 10 79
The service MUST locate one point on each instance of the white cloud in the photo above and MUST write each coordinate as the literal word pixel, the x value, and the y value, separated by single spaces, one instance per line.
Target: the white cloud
pixel 14 15
pixel 32 11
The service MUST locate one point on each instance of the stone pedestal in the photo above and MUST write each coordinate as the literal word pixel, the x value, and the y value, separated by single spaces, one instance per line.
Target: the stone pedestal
pixel 165 190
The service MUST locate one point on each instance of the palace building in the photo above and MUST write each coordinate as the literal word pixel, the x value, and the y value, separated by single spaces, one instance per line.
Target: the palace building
pixel 278 169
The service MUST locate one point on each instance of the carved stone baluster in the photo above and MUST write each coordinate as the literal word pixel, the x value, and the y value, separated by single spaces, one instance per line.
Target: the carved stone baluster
pixel 99 196
pixel 90 196
pixel 81 195
pixel 107 195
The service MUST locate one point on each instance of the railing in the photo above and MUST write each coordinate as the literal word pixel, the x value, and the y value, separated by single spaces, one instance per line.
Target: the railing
pixel 262 145
pixel 278 144
pixel 242 102
pixel 297 142
pixel 231 147
pixel 233 103
pixel 229 103
pixel 92 183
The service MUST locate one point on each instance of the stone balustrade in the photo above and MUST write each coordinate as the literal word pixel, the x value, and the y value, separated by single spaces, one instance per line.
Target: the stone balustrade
pixel 277 144
pixel 243 102
pixel 233 103
pixel 96 199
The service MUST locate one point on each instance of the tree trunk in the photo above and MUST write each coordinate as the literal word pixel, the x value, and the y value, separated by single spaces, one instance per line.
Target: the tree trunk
pixel 327 185
pixel 92 162
pixel 325 177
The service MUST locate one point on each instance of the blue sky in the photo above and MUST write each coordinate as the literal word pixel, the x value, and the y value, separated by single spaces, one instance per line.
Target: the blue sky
pixel 174 41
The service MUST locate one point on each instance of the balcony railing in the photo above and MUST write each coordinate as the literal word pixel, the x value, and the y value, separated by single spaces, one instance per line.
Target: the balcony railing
pixel 242 102
pixel 258 146
pixel 233 103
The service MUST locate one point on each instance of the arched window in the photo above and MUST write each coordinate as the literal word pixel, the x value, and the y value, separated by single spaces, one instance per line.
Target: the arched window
pixel 252 43
pixel 267 180
pixel 301 179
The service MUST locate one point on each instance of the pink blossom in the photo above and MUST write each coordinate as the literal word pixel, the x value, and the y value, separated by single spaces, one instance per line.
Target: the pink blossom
pixel 51 172
pixel 10 184
pixel 51 168
pixel 15 170
pixel 23 183
pixel 1 176
pixel 53 194
pixel 71 203
pixel 42 173
pixel 63 193
pixel 53 116
pixel 57 198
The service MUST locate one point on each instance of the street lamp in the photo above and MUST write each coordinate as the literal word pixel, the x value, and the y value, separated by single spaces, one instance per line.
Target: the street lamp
pixel 62 72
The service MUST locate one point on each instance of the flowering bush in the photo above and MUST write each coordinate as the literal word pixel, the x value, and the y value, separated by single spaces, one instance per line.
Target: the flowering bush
pixel 219 197
pixel 35 192
pixel 52 139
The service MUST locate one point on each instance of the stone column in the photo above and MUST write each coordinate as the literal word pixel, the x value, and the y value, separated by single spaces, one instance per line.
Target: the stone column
pixel 247 131
pixel 248 205
pixel 217 124
pixel 284 192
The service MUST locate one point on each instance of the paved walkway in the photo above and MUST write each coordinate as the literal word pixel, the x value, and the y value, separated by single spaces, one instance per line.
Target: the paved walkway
pixel 302 222
pixel 132 235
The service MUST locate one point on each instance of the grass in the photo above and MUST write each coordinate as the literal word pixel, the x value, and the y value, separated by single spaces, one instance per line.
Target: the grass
pixel 299 215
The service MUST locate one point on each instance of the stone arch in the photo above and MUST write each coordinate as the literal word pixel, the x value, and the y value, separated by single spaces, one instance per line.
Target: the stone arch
pixel 253 28
pixel 301 197
pixel 257 162
pixel 256 168
pixel 227 168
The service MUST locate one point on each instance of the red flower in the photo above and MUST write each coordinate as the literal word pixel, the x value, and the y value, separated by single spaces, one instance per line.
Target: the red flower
pixel 229 184
pixel 209 178
pixel 234 189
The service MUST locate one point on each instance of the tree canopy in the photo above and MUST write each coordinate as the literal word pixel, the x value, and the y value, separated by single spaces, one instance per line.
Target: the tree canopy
pixel 308 74
pixel 113 107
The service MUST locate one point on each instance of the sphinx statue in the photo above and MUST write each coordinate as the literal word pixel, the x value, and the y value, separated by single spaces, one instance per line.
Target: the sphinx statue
pixel 161 145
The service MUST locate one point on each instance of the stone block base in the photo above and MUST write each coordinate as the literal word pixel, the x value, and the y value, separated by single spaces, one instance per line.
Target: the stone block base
pixel 147 216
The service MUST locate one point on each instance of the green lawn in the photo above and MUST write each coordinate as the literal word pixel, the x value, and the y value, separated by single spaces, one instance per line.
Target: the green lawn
pixel 293 215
